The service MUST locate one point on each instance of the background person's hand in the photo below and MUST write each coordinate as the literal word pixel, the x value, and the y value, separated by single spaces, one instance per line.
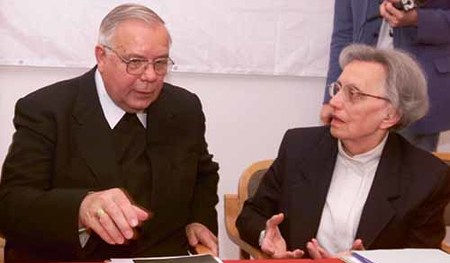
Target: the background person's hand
pixel 273 243
pixel 198 233
pixel 395 17
pixel 317 252
pixel 111 215
pixel 325 114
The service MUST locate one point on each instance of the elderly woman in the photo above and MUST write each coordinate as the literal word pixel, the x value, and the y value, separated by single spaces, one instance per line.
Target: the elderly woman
pixel 356 183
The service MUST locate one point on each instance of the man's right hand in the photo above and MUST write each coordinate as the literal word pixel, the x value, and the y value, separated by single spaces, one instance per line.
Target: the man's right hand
pixel 273 243
pixel 111 215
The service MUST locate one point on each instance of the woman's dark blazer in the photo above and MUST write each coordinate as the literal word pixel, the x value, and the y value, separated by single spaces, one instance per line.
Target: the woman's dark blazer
pixel 404 207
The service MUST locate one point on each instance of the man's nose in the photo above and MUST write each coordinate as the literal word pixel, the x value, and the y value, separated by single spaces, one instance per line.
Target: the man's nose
pixel 149 73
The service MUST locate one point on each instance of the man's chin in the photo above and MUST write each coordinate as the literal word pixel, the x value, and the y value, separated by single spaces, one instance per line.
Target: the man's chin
pixel 142 104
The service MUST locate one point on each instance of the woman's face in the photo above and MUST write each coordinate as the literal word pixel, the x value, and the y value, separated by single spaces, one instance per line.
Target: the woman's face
pixel 361 117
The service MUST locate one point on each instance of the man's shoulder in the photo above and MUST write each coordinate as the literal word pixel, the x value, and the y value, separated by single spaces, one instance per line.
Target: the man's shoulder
pixel 174 91
pixel 179 96
pixel 61 90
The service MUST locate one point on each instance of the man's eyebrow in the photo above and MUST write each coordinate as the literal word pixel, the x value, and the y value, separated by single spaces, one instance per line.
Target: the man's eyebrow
pixel 134 56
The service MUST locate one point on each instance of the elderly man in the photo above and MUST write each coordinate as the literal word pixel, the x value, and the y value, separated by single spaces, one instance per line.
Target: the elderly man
pixel 355 183
pixel 113 163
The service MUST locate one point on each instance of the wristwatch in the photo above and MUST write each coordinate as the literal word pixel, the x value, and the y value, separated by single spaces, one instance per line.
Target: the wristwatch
pixel 408 5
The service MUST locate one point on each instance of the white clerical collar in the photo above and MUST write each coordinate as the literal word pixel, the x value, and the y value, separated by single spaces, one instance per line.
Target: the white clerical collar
pixel 366 157
pixel 111 111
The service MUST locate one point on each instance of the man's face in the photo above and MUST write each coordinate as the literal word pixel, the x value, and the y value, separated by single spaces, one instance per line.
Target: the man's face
pixel 363 119
pixel 133 39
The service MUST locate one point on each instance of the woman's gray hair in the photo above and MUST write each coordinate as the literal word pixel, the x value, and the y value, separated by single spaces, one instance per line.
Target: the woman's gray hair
pixel 406 86
pixel 123 13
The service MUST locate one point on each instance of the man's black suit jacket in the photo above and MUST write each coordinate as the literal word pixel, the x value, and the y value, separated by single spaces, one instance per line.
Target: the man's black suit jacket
pixel 62 149
pixel 404 207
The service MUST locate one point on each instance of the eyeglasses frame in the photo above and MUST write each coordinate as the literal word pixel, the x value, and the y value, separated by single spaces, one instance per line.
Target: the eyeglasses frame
pixel 127 62
pixel 355 90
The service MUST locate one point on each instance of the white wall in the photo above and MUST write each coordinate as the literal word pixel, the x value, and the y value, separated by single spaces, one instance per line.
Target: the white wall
pixel 271 37
pixel 246 116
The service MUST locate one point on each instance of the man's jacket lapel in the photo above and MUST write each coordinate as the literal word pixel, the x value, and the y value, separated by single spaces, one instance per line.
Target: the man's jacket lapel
pixel 93 134
pixel 160 121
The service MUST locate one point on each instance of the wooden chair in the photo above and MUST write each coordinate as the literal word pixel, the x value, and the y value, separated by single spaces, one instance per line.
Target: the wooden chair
pixel 2 250
pixel 248 183
pixel 446 242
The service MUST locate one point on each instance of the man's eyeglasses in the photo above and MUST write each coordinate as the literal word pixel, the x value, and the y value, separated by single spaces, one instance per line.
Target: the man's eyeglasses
pixel 350 92
pixel 137 66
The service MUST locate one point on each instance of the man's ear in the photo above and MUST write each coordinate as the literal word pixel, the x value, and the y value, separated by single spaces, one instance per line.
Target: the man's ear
pixel 100 56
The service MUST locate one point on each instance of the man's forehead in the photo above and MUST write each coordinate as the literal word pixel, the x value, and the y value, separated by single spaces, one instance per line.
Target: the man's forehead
pixel 142 40
pixel 134 30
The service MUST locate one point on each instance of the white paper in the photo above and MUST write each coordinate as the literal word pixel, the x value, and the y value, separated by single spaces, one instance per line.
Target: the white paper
pixel 406 255
pixel 130 260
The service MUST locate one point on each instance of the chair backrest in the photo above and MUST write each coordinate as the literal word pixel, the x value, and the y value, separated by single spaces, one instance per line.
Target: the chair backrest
pixel 445 156
pixel 248 183
pixel 2 250
pixel 250 179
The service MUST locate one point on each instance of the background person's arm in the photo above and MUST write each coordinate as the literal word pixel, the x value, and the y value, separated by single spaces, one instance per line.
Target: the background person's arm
pixel 432 20
pixel 341 37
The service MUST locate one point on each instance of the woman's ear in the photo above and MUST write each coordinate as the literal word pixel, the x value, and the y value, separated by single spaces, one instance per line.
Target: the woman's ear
pixel 392 118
